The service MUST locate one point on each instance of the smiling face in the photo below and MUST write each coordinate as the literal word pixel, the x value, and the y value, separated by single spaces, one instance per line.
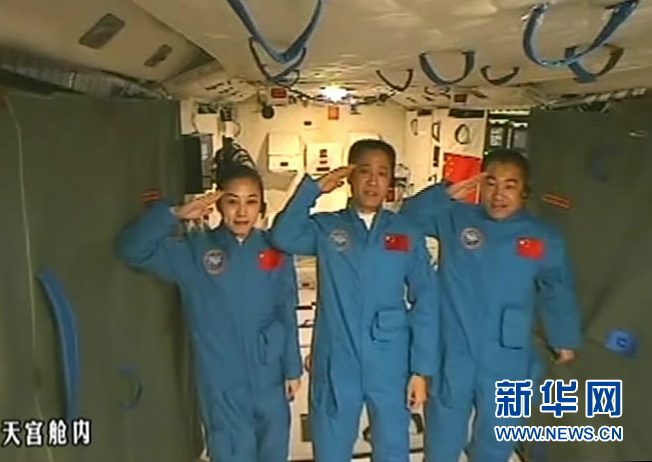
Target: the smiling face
pixel 370 180
pixel 502 190
pixel 240 205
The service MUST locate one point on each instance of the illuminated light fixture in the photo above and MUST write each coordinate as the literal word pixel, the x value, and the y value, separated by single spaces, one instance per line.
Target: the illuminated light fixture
pixel 334 94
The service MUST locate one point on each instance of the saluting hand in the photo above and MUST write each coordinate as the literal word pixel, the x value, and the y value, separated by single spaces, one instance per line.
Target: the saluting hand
pixel 462 189
pixel 197 208
pixel 333 180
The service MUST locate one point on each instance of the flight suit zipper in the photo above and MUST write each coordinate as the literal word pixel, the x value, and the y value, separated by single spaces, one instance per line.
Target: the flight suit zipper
pixel 243 335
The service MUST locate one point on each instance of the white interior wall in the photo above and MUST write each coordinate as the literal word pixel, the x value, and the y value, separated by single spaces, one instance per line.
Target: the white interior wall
pixel 413 136
pixel 419 148
pixel 191 122
pixel 387 121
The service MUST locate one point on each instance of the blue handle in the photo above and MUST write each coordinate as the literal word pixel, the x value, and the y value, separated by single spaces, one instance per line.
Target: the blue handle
pixel 279 79
pixel 429 70
pixel 393 86
pixel 68 336
pixel 295 49
pixel 584 76
pixel 501 80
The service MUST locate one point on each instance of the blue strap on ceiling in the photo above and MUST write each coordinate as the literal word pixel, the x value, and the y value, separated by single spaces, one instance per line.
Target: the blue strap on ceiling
pixel 501 80
pixel 281 78
pixel 620 13
pixel 295 49
pixel 428 69
pixel 68 337
pixel 395 87
pixel 294 55
pixel 584 76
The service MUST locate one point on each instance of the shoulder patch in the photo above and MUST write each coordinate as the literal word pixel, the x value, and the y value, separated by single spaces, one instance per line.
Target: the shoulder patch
pixel 471 238
pixel 340 239
pixel 215 261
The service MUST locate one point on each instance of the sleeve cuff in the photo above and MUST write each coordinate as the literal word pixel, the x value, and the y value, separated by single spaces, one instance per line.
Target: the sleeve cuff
pixel 419 368
pixel 293 373
pixel 306 194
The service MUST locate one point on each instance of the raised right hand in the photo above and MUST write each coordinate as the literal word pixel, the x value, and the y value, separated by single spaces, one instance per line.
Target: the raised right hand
pixel 333 180
pixel 197 208
pixel 462 189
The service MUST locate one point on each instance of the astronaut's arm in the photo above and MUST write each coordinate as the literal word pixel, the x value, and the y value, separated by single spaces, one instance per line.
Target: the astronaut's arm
pixel 560 310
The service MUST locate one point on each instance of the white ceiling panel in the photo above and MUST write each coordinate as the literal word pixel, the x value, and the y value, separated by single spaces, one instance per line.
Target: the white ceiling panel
pixel 357 37
pixel 353 40
pixel 52 29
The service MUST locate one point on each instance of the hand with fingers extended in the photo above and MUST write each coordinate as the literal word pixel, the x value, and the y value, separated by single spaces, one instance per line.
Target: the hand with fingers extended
pixel 197 208
pixel 333 180
pixel 462 189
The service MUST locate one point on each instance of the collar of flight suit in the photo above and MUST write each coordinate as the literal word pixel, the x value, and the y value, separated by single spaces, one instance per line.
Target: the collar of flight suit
pixel 224 233
pixel 518 216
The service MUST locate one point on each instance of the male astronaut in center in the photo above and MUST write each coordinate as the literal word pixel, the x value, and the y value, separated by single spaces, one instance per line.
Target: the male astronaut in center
pixel 368 347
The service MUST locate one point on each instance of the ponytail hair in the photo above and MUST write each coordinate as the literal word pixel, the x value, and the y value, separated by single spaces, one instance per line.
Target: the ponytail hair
pixel 232 162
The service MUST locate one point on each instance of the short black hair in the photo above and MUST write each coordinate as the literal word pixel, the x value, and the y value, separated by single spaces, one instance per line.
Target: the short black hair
pixel 508 156
pixel 358 148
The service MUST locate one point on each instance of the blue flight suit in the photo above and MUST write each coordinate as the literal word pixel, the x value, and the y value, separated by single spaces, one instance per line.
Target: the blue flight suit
pixel 491 273
pixel 366 343
pixel 240 301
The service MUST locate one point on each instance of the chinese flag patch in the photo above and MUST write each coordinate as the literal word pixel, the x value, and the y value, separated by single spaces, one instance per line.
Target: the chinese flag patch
pixel 270 259
pixel 397 242
pixel 530 248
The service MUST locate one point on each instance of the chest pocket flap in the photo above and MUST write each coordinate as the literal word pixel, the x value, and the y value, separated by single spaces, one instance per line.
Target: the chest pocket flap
pixel 389 324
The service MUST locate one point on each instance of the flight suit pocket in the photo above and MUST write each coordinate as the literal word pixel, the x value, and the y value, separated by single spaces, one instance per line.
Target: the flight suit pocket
pixel 389 324
pixel 218 434
pixel 271 342
pixel 514 331
pixel 322 388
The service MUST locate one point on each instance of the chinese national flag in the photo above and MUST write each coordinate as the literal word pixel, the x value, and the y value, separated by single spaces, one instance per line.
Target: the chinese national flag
pixel 397 242
pixel 458 168
pixel 270 259
pixel 530 248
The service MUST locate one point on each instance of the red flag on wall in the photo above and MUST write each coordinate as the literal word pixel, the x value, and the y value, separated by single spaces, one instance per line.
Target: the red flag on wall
pixel 458 168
